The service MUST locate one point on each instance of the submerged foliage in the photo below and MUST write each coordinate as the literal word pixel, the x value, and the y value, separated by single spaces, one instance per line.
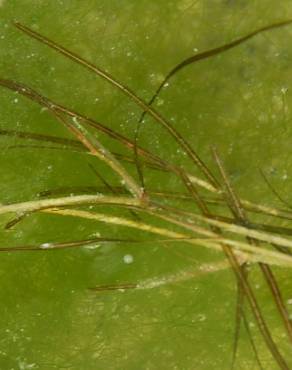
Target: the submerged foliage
pixel 207 213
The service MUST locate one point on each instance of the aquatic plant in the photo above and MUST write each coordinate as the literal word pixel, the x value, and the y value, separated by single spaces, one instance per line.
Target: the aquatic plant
pixel 213 216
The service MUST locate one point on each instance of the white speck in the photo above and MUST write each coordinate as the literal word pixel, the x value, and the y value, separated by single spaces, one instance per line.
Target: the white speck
pixel 75 120
pixel 201 317
pixel 160 102
pixel 128 259
pixel 23 365
pixel 92 246
pixel 50 167
pixel 284 90
pixel 45 246
pixel 195 50
pixel 15 100
pixel 289 301
pixel 96 234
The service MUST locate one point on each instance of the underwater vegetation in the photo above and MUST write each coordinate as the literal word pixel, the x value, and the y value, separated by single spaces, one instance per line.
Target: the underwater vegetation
pixel 204 211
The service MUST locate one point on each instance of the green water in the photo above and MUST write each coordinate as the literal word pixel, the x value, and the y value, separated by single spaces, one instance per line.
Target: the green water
pixel 239 100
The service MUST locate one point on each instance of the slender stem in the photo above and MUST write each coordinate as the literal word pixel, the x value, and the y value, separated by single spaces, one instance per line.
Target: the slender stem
pixel 35 205
pixel 254 255
pixel 127 91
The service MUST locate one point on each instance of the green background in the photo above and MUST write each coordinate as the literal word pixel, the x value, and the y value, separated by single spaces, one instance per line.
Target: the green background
pixel 240 101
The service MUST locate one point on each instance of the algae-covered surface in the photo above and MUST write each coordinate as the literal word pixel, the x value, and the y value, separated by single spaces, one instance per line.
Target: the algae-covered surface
pixel 183 315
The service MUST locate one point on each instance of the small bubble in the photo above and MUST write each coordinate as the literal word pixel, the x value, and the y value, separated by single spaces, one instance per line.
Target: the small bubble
pixel 128 259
